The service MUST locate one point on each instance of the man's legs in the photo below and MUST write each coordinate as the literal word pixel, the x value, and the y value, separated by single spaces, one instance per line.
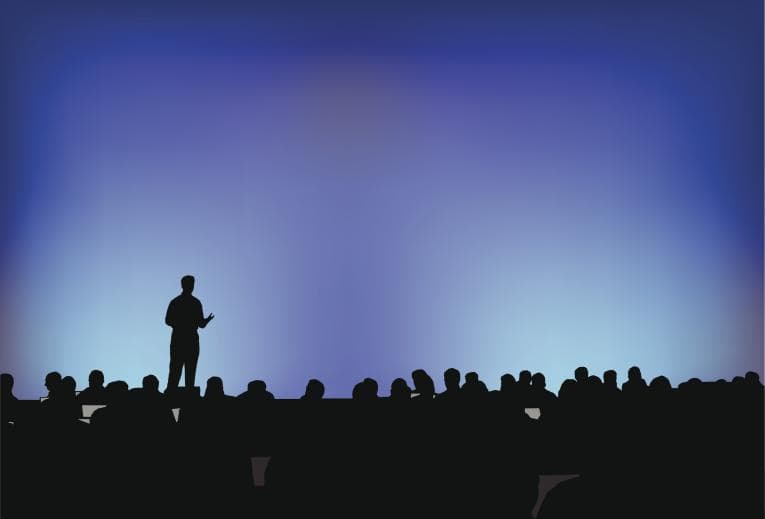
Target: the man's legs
pixel 191 357
pixel 176 363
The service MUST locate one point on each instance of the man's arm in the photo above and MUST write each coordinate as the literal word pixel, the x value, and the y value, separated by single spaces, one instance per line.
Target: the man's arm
pixel 203 321
pixel 170 315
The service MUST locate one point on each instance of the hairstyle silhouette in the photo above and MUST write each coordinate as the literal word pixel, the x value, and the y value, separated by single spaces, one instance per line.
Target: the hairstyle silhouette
pixel 314 390
pixel 187 284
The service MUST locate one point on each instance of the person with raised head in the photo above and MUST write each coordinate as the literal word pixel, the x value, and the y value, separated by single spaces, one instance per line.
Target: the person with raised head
pixel 184 315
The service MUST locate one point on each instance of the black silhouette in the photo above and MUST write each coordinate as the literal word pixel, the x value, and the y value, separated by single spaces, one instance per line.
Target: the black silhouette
pixel 648 451
pixel 185 316
pixel 400 390
pixel 473 388
pixel 452 384
pixel 256 392
pixel 95 393
pixel 635 385
pixel 423 385
pixel 314 390
pixel 365 390
pixel 52 380
pixel 8 401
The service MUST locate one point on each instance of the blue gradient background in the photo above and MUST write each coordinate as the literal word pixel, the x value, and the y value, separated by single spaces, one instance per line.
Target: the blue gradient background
pixel 362 191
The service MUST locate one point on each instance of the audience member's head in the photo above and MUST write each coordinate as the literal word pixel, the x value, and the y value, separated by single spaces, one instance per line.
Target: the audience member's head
pixel 68 386
pixel 6 384
pixel 609 379
pixel 471 377
pixel 452 379
pixel 150 384
pixel 660 384
pixel 365 390
pixel 538 381
pixel 524 378
pixel 256 386
pixel 400 390
pixel 634 375
pixel 117 392
pixel 214 389
pixel 96 379
pixel 52 381
pixel 752 378
pixel 567 388
pixel 506 382
pixel 581 374
pixel 371 387
pixel 314 390
pixel 423 384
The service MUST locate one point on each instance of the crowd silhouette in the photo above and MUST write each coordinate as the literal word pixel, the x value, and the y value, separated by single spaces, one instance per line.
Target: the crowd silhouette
pixel 636 450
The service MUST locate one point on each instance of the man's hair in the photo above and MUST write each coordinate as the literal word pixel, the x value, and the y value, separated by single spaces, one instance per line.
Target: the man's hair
pixel 187 282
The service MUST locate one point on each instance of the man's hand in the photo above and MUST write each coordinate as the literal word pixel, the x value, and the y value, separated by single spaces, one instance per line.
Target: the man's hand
pixel 209 318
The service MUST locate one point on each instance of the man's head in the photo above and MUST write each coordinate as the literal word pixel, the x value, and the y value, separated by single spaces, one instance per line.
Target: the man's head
pixel 471 377
pixel 507 381
pixel 214 388
pixel 150 383
pixel 52 380
pixel 96 379
pixel 452 378
pixel 314 390
pixel 609 378
pixel 581 374
pixel 538 381
pixel 187 284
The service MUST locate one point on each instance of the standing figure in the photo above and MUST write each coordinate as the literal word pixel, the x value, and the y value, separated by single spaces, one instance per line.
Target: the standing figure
pixel 184 315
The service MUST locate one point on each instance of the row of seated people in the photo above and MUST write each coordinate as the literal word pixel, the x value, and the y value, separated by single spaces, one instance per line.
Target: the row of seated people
pixel 394 459
pixel 530 390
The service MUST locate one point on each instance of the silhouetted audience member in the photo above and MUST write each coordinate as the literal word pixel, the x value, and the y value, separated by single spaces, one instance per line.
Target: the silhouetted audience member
pixel 256 392
pixel 52 380
pixel 609 380
pixel 365 390
pixel 539 396
pixel 635 385
pixel 752 379
pixel 62 405
pixel 522 386
pixel 452 384
pixel 581 374
pixel 314 390
pixel 214 389
pixel 660 384
pixel 423 385
pixel 118 413
pixel 400 390
pixel 567 390
pixel 473 387
pixel 8 400
pixel 95 393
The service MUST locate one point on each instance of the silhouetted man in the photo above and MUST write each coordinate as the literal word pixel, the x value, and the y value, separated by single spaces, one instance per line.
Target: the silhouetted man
pixel 184 315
